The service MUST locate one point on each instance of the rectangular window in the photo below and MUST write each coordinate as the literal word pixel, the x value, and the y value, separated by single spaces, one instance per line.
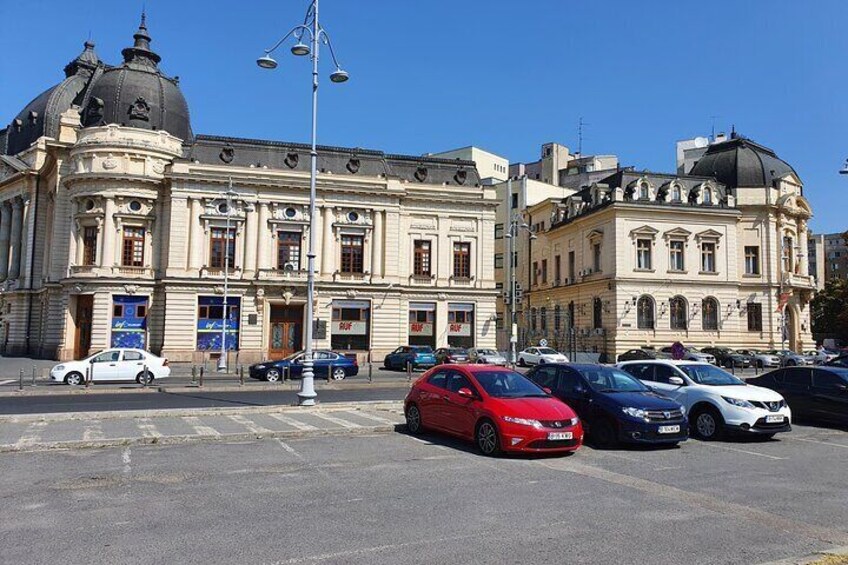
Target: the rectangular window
pixel 422 258
pixel 544 271
pixel 89 245
pixel 596 257
pixel 288 250
pixel 643 254
pixel 133 249
pixel 352 254
pixel 499 260
pixel 557 270
pixel 118 311
pixel 752 260
pixel 222 245
pixel 514 201
pixel 708 257
pixel 499 231
pixel 675 258
pixel 755 317
pixel 462 260
pixel 571 267
pixel 350 325
pixel 129 326
pixel 535 273
pixel 211 324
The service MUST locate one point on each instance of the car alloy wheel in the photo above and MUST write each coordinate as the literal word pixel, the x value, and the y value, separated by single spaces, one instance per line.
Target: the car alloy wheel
pixel 145 377
pixel 73 379
pixel 707 424
pixel 339 374
pixel 413 419
pixel 272 376
pixel 487 438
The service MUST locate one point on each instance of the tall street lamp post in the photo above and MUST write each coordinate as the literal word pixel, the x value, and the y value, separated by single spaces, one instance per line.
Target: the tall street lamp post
pixel 222 359
pixel 317 35
pixel 516 223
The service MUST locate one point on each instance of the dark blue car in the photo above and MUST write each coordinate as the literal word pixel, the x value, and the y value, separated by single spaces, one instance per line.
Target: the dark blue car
pixel 614 406
pixel 292 367
pixel 419 356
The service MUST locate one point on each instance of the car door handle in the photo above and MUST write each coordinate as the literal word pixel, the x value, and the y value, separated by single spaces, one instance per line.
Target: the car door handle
pixel 112 365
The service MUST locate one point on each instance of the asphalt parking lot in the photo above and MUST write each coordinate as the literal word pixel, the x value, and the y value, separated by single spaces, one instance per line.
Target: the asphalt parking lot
pixel 393 498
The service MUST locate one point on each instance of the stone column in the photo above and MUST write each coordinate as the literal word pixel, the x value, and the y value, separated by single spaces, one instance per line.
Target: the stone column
pixel 195 250
pixel 377 246
pixel 250 240
pixel 16 239
pixel 5 231
pixel 107 259
pixel 328 249
pixel 263 236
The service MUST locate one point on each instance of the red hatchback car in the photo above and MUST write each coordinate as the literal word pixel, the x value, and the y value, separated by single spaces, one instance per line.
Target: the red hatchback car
pixel 497 408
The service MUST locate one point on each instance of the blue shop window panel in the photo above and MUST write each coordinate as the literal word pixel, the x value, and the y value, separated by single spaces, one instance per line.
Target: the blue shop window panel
pixel 209 329
pixel 129 329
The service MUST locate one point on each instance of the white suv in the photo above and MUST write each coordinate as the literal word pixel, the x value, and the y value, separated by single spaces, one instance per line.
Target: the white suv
pixel 715 400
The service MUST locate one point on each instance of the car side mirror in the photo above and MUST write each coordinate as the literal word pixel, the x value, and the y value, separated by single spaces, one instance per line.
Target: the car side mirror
pixel 547 390
pixel 580 389
pixel 465 392
pixel 677 381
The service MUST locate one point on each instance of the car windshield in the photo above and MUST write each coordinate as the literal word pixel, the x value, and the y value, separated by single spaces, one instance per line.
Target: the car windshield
pixel 456 351
pixel 486 352
pixel 422 349
pixel 709 375
pixel 547 351
pixel 507 384
pixel 293 356
pixel 604 379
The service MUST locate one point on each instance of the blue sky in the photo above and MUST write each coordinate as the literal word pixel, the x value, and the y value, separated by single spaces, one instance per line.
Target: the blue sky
pixel 504 75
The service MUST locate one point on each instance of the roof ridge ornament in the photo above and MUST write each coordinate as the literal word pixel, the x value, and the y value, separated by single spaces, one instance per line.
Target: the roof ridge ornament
pixel 140 53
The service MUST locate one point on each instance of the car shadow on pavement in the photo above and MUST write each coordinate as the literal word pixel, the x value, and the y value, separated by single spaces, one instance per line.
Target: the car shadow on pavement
pixel 457 444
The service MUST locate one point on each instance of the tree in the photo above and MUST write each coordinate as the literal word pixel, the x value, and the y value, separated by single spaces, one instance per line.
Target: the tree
pixel 829 311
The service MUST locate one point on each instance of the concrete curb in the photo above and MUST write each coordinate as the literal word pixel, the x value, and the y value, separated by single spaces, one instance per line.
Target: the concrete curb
pixel 59 390
pixel 213 411
pixel 812 557
pixel 184 439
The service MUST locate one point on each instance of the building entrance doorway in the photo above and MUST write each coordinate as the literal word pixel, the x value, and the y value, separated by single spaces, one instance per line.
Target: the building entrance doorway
pixel 285 331
pixel 83 314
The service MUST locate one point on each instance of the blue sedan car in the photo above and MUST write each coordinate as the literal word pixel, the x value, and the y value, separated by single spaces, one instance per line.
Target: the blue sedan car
pixel 419 356
pixel 292 367
pixel 614 406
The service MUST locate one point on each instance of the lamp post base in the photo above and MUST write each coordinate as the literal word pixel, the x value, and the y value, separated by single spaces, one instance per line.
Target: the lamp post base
pixel 222 364
pixel 306 395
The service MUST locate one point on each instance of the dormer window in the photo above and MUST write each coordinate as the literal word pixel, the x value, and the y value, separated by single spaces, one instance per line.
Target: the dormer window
pixel 643 191
pixel 708 196
pixel 676 194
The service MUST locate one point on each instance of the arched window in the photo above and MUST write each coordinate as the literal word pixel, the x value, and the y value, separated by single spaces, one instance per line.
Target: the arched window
pixel 677 309
pixel 645 313
pixel 557 318
pixel 543 319
pixel 643 191
pixel 676 194
pixel 708 196
pixel 709 314
pixel 597 313
pixel 532 319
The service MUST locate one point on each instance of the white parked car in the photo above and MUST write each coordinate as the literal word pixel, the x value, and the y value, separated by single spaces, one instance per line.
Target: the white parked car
pixel 715 400
pixel 692 354
pixel 113 365
pixel 540 356
pixel 487 356
pixel 821 356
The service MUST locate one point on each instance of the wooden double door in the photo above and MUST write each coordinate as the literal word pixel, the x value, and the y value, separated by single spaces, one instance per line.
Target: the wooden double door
pixel 84 312
pixel 285 332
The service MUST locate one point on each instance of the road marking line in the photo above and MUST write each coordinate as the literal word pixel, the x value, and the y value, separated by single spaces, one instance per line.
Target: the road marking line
pixel 32 435
pixel 148 429
pixel 338 421
pixel 7 382
pixel 376 418
pixel 93 431
pixel 424 441
pixel 293 423
pixel 289 449
pixel 370 550
pixel 774 457
pixel 707 502
pixel 831 444
pixel 125 457
pixel 200 428
pixel 249 424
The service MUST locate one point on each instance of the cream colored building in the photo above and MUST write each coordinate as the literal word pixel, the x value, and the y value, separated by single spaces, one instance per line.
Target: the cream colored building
pixel 647 259
pixel 113 231
pixel 491 168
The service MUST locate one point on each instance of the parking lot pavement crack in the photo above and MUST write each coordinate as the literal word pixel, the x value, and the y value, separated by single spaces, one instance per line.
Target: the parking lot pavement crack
pixel 732 509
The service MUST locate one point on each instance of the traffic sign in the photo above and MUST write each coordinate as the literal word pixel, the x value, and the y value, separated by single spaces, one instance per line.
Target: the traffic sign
pixel 543 342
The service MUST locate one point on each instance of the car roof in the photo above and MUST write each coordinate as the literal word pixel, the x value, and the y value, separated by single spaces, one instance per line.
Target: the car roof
pixel 471 368
pixel 676 362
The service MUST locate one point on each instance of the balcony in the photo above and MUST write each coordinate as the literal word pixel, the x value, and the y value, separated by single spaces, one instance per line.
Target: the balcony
pixel 218 273
pixel 132 272
pixel 282 275
pixel 461 282
pixel 84 271
pixel 422 280
pixel 798 281
pixel 355 278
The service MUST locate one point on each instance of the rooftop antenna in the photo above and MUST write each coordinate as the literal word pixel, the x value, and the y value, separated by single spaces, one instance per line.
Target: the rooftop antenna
pixel 712 129
pixel 580 124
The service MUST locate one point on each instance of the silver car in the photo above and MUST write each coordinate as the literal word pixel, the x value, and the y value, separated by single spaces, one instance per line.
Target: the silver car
pixel 789 358
pixel 761 359
pixel 486 356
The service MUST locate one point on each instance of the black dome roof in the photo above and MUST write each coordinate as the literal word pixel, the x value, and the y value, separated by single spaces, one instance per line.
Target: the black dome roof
pixel 740 162
pixel 137 94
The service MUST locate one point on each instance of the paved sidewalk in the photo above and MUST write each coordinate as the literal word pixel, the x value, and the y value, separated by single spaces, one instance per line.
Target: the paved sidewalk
pixel 86 430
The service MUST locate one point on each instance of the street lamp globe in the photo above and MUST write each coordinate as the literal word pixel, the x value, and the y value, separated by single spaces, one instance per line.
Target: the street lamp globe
pixel 266 62
pixel 300 49
pixel 339 76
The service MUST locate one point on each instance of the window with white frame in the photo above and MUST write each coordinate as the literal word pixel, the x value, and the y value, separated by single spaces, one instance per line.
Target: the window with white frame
pixel 676 254
pixel 643 254
pixel 708 257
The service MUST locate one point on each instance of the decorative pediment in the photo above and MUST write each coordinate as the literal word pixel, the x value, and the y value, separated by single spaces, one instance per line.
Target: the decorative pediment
pixel 708 235
pixel 595 234
pixel 644 231
pixel 677 233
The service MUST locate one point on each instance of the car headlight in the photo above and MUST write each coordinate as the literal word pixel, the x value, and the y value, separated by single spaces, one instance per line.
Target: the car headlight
pixel 523 421
pixel 635 412
pixel 59 368
pixel 738 402
pixel 259 366
pixel 682 410
pixel 574 421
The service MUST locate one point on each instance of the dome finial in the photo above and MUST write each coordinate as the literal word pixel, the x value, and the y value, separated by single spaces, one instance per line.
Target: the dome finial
pixel 140 51
pixel 85 62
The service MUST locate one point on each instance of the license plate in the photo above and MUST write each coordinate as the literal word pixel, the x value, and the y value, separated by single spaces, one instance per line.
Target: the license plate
pixel 669 429
pixel 777 419
pixel 559 436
